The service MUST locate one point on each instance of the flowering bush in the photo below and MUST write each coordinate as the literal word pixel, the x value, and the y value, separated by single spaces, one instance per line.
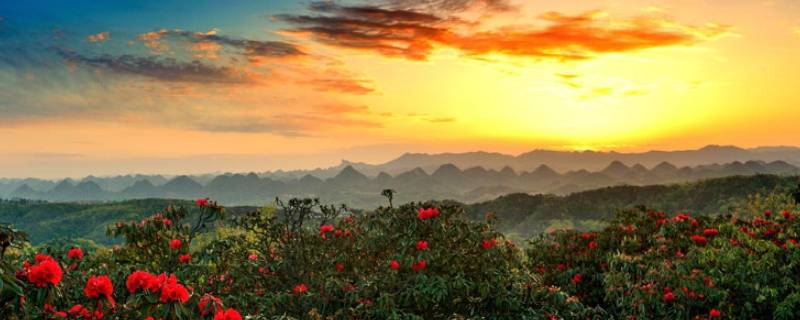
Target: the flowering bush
pixel 419 261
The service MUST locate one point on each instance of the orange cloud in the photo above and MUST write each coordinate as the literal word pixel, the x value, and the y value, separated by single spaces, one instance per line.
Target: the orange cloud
pixel 414 35
pixel 206 49
pixel 584 36
pixel 99 37
pixel 153 41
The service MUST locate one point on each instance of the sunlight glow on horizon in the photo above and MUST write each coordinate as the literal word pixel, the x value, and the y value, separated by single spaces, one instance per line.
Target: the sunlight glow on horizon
pixel 675 75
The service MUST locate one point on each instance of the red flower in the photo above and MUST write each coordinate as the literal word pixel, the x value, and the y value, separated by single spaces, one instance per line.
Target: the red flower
pixel 175 244
pixel 767 213
pixel 229 314
pixel 681 217
pixel 422 245
pixel 488 243
pixel 325 228
pixel 40 257
pixel 75 253
pixel 139 280
pixel 300 289
pixel 98 286
pixel 714 313
pixel 425 214
pixel 252 257
pixel 340 267
pixel 157 283
pixel 577 278
pixel 710 232
pixel 394 265
pixel 79 311
pixel 699 240
pixel 201 202
pixel 592 245
pixel 668 297
pixel 171 292
pixel 45 271
pixel 419 265
pixel 185 258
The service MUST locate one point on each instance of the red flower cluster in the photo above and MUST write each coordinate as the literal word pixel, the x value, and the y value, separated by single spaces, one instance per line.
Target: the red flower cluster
pixel 175 244
pixel 577 278
pixel 229 314
pixel 201 202
pixel 714 313
pixel 425 214
pixel 141 280
pixel 99 286
pixel 300 289
pixel 185 258
pixel 422 245
pixel 699 240
pixel 488 243
pixel 325 228
pixel 681 217
pixel 45 271
pixel 75 253
pixel 710 232
pixel 592 245
pixel 79 310
pixel 394 265
pixel 168 286
pixel 173 292
pixel 668 295
pixel 419 265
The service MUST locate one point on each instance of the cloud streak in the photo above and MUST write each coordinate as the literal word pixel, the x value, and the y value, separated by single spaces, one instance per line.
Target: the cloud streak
pixel 254 50
pixel 166 69
pixel 414 34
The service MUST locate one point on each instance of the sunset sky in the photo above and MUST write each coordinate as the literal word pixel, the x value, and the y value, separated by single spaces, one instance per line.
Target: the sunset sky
pixel 110 87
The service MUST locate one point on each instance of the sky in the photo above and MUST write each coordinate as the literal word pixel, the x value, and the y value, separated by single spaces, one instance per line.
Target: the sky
pixel 115 87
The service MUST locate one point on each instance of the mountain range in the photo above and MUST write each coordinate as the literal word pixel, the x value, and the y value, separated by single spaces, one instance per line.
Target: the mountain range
pixel 353 187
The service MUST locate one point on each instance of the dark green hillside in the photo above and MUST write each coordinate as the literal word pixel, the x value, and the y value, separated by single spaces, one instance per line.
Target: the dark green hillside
pixel 44 221
pixel 529 214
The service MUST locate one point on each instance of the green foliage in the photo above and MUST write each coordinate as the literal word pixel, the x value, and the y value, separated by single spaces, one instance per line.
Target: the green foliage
pixel 529 215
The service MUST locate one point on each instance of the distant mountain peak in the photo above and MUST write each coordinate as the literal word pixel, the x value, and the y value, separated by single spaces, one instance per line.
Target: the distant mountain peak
pixel 616 167
pixel 349 175
pixel 664 167
pixel 446 169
